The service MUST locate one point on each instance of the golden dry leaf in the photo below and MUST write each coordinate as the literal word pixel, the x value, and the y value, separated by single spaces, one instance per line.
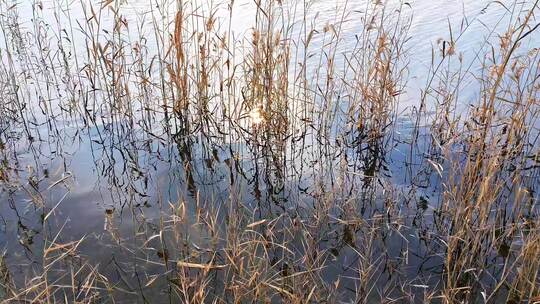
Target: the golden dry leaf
pixel 105 3
pixel 257 223
pixel 199 266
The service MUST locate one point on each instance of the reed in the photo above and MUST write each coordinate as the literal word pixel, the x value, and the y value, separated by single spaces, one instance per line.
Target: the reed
pixel 261 166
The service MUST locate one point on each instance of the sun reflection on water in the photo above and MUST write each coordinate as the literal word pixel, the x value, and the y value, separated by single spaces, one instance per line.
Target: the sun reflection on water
pixel 256 116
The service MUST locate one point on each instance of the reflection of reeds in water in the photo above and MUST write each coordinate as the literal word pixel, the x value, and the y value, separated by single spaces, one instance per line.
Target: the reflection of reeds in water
pixel 278 151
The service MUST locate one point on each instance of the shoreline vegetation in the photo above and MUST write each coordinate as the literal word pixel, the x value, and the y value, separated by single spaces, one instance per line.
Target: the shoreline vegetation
pixel 280 165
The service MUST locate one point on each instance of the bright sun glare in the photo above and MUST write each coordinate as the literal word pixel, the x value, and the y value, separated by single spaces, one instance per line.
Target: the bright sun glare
pixel 256 116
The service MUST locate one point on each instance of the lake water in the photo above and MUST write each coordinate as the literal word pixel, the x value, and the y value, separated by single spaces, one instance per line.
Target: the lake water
pixel 113 181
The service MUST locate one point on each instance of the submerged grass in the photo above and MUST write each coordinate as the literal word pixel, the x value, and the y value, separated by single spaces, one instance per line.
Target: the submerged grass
pixel 261 167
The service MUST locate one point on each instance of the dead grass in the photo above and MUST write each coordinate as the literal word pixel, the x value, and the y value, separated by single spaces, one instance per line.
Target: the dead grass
pixel 279 147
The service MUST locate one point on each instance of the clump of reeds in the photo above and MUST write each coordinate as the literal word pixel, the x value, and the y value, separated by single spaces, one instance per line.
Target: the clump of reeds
pixel 279 145
pixel 485 156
